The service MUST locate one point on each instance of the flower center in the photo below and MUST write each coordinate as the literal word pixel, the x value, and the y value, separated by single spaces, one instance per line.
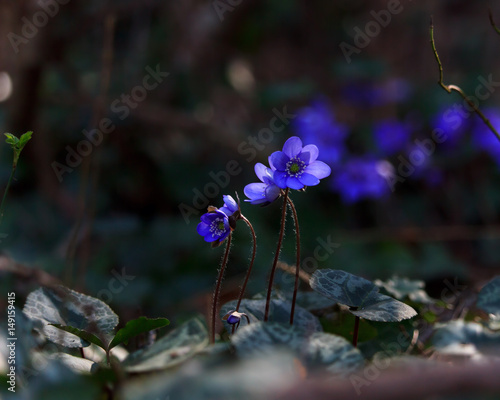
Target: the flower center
pixel 295 167
pixel 217 228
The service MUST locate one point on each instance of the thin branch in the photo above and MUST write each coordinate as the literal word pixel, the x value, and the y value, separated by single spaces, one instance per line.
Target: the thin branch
pixel 493 22
pixel 450 88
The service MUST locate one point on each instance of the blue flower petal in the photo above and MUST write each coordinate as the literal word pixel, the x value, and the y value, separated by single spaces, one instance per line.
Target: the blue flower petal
pixel 308 179
pixel 304 156
pixel 292 147
pixel 312 150
pixel 272 193
pixel 260 171
pixel 230 203
pixel 208 218
pixel 203 229
pixel 280 179
pixel 278 160
pixel 319 169
pixel 210 238
pixel 293 183
pixel 255 190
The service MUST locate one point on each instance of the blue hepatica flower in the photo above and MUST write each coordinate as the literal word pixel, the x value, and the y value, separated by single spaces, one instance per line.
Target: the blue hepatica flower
pixel 361 178
pixel 265 192
pixel 483 138
pixel 317 124
pixel 230 206
pixel 296 167
pixel 234 318
pixel 391 136
pixel 214 226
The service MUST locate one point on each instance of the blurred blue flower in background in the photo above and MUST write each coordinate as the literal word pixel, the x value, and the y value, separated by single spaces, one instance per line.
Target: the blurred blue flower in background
pixel 370 94
pixel 391 136
pixel 483 138
pixel 362 178
pixel 316 124
pixel 453 124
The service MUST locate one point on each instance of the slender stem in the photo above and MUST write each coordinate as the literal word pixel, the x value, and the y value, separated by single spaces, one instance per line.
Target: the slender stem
pixel 277 254
pixel 297 262
pixel 450 88
pixel 5 192
pixel 254 251
pixel 217 287
pixel 356 331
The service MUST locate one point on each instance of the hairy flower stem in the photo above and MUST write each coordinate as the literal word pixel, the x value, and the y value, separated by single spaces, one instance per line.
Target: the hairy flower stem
pixel 217 287
pixel 277 254
pixel 254 251
pixel 355 333
pixel 297 262
pixel 6 190
pixel 249 271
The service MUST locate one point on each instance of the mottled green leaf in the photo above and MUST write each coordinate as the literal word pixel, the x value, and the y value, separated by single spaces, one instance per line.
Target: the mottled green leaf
pixel 404 287
pixel 466 339
pixel 261 337
pixel 136 327
pixel 66 307
pixel 384 309
pixel 360 295
pixel 343 287
pixel 488 298
pixel 170 350
pixel 332 353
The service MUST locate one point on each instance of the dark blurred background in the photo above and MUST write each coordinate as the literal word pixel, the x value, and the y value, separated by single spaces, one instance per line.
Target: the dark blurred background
pixel 69 66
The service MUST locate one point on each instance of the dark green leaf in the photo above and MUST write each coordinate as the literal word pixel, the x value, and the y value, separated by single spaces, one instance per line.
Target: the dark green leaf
pixel 11 139
pixel 25 137
pixel 89 337
pixel 136 327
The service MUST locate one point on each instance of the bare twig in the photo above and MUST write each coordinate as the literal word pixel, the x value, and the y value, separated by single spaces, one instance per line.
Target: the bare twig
pixel 450 88
pixel 493 22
